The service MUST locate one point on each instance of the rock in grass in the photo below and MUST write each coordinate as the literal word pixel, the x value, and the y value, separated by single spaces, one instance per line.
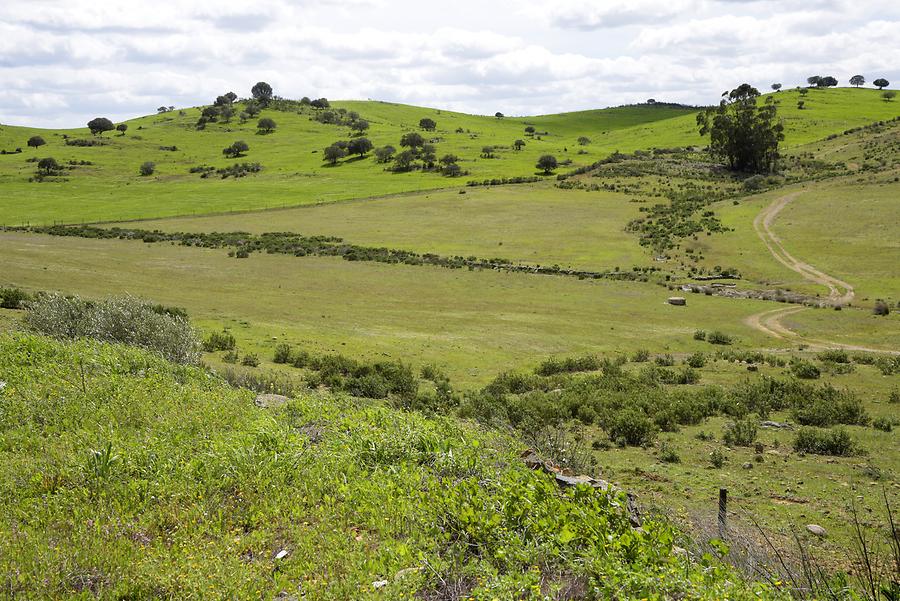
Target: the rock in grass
pixel 817 530
pixel 270 400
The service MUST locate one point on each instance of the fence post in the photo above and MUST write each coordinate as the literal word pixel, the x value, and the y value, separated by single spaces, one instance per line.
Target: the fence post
pixel 723 510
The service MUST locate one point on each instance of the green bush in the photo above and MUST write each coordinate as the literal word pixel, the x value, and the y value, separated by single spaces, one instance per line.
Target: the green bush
pixel 699 335
pixel 124 320
pixel 894 396
pixel 668 454
pixel 815 441
pixel 219 341
pixel 13 298
pixel 717 458
pixel 804 369
pixel 834 356
pixel 828 406
pixel 641 356
pixel 250 360
pixel 282 353
pixel 696 360
pixel 885 424
pixel 632 427
pixel 571 364
pixel 718 337
pixel 665 360
pixel 741 433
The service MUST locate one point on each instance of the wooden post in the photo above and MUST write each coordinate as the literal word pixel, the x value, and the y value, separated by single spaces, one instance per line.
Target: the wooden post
pixel 723 510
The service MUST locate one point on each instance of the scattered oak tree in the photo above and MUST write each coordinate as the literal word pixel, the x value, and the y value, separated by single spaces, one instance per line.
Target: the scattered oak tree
pixel 412 140
pixel 519 144
pixel 776 87
pixel 385 153
pixel 359 126
pixel 584 140
pixel 888 95
pixel 48 166
pixel 359 146
pixel 122 128
pixel 266 125
pixel 98 125
pixel 334 153
pixel 261 92
pixel 547 163
pixel 236 150
pixel 743 134
pixel 857 80
pixel 427 124
pixel 148 168
pixel 881 83
pixel 36 141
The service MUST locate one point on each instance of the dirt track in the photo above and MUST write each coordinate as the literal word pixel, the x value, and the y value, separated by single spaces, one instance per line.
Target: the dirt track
pixel 840 292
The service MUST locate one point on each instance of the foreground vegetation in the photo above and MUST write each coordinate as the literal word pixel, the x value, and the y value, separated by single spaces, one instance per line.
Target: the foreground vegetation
pixel 161 481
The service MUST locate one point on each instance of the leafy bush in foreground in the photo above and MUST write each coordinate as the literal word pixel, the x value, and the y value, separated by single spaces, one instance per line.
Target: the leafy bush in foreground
pixel 119 319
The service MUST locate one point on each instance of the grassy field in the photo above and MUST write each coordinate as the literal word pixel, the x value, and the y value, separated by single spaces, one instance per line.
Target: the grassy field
pixel 525 223
pixel 473 324
pixel 294 174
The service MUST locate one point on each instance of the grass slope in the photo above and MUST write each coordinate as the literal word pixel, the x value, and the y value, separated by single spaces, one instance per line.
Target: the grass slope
pixel 124 477
pixel 294 174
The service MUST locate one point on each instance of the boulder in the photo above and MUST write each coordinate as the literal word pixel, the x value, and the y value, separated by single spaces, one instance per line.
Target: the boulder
pixel 817 530
pixel 678 301
pixel 270 400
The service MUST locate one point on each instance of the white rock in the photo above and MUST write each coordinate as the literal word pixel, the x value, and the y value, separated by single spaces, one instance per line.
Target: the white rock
pixel 817 530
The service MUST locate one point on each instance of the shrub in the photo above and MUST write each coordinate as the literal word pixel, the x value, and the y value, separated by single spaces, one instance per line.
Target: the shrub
pixel 885 424
pixel 718 337
pixel 699 335
pixel 282 353
pixel 824 442
pixel 697 360
pixel 13 298
pixel 881 308
pixel 834 356
pixel 641 356
pixel 250 360
pixel 668 454
pixel 741 433
pixel 894 396
pixel 147 168
pixel 717 458
pixel 124 320
pixel 571 364
pixel 665 360
pixel 804 369
pixel 827 406
pixel 219 341
pixel 632 427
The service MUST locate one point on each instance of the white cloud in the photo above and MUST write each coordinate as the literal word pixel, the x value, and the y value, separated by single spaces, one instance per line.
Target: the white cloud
pixel 62 63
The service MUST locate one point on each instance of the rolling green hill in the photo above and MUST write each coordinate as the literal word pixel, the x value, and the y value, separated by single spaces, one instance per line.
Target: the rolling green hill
pixel 293 172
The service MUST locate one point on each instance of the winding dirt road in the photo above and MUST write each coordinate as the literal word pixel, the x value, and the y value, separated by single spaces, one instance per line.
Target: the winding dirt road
pixel 840 292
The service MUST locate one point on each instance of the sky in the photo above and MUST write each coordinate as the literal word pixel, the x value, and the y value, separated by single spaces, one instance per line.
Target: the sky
pixel 64 62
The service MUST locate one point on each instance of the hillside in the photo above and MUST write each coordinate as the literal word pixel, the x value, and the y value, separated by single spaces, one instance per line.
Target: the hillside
pixel 293 172
pixel 122 476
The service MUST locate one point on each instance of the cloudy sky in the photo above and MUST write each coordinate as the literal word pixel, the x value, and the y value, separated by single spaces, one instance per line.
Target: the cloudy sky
pixel 63 62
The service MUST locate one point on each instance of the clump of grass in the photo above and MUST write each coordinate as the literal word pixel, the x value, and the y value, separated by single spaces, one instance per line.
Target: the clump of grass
pixel 718 337
pixel 219 341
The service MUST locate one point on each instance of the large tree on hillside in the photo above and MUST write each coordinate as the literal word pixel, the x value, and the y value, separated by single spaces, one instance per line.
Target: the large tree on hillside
pixel 412 140
pixel 262 92
pixel 881 83
pixel 743 134
pixel 98 125
pixel 857 80
pixel 36 141
pixel 827 82
pixel 427 124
